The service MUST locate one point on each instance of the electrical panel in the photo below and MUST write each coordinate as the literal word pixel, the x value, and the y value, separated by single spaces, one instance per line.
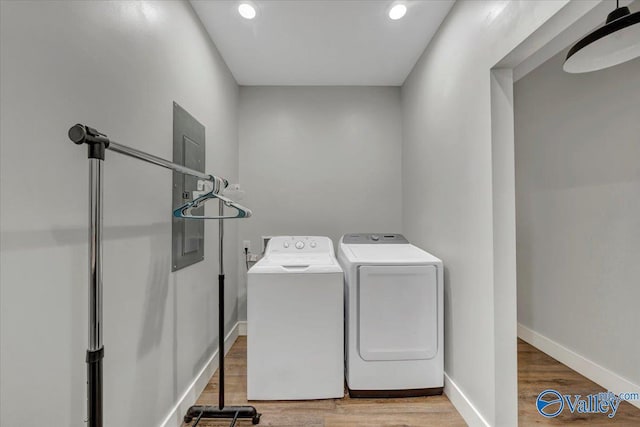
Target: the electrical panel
pixel 188 150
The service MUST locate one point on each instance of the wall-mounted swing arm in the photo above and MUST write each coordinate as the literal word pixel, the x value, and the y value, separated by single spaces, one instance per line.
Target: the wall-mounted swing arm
pixel 98 142
pixel 82 134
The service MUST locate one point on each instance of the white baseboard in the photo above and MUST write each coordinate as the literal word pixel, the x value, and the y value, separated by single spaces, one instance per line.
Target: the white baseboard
pixel 464 406
pixel 190 396
pixel 596 373
pixel 242 328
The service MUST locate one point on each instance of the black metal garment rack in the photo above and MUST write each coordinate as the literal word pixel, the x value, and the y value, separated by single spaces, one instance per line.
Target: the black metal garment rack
pixel 206 411
pixel 97 143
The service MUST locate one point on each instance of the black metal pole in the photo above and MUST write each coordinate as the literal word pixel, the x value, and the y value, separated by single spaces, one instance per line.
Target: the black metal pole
pixel 221 340
pixel 94 388
pixel 229 412
pixel 221 306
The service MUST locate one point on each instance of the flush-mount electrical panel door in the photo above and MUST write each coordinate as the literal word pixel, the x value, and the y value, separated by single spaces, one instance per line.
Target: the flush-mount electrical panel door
pixel 188 150
pixel 398 312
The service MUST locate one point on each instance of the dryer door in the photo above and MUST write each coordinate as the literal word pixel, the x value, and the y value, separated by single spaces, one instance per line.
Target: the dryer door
pixel 398 317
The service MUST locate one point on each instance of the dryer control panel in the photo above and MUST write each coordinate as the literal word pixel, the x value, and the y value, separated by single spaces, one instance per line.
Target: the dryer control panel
pixel 299 244
pixel 374 238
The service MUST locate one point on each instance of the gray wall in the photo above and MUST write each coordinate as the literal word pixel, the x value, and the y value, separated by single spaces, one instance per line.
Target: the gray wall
pixel 578 210
pixel 117 66
pixel 319 161
pixel 447 185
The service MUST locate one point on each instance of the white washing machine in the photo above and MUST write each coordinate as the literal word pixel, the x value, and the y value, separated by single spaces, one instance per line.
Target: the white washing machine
pixel 295 321
pixel 393 317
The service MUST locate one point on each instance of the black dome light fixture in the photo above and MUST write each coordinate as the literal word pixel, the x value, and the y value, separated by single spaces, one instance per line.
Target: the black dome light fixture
pixel 617 41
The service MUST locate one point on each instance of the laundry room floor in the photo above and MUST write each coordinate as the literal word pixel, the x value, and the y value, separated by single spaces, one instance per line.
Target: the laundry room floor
pixel 409 412
pixel 538 372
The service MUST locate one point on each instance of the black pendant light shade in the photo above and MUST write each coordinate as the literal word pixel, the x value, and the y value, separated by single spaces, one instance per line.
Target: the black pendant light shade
pixel 615 42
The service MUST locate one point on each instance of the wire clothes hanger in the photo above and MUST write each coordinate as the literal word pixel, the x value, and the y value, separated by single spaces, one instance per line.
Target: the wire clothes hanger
pixel 219 185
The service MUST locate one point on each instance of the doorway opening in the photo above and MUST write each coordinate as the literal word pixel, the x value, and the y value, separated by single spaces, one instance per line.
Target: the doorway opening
pixel 564 152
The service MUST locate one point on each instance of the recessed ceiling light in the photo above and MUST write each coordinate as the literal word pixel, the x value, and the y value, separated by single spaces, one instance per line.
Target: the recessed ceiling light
pixel 397 11
pixel 247 11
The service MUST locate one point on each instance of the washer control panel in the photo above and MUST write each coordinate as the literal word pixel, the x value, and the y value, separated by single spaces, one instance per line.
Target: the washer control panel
pixel 299 244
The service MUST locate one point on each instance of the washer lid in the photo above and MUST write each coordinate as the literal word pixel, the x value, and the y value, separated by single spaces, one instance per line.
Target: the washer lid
pixel 297 263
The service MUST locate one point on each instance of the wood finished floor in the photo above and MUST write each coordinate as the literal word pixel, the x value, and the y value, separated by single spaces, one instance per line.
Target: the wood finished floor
pixel 536 372
pixel 414 412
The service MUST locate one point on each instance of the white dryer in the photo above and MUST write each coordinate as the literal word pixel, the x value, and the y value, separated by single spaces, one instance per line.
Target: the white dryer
pixel 295 321
pixel 393 317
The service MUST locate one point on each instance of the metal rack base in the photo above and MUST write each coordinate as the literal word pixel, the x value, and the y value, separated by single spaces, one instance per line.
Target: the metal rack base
pixel 230 412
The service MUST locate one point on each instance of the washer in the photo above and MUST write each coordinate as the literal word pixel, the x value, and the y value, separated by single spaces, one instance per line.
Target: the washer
pixel 295 316
pixel 393 317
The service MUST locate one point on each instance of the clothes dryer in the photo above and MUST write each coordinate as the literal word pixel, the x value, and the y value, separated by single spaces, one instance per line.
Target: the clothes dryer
pixel 393 317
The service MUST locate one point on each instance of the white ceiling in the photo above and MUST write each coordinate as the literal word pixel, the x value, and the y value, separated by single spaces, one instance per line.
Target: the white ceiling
pixel 321 42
